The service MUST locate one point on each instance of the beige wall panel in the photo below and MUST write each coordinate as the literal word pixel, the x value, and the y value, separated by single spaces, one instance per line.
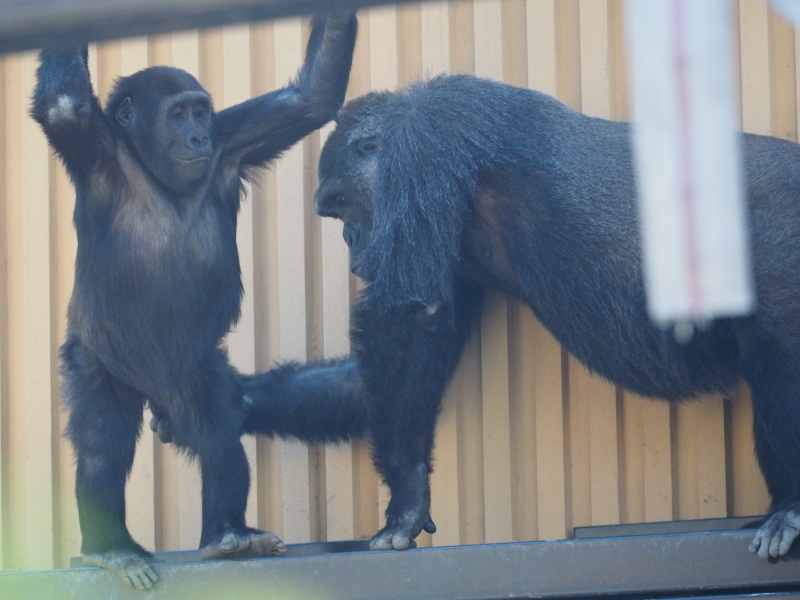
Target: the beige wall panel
pixel 296 486
pixel 529 443
pixel 657 464
pixel 340 459
pixel 487 29
pixel 30 423
pixel 433 38
pixel 748 491
pixel 647 460
pixel 756 76
pixel 783 79
pixel 36 321
pixel 4 414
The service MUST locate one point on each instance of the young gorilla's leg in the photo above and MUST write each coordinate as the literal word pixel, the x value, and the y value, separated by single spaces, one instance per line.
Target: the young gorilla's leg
pixel 104 422
pixel 207 422
pixel 407 356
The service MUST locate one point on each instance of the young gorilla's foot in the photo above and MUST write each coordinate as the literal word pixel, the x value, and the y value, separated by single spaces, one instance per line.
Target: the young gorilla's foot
pixel 129 566
pixel 775 536
pixel 400 533
pixel 248 543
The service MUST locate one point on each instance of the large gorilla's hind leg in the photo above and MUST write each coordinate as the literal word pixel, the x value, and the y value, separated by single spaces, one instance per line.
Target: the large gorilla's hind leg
pixel 773 372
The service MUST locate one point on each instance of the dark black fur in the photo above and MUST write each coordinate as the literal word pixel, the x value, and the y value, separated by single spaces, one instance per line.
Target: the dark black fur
pixel 291 401
pixel 462 183
pixel 158 179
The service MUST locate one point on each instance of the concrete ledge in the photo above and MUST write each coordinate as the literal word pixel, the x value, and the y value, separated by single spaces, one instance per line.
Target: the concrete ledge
pixel 711 564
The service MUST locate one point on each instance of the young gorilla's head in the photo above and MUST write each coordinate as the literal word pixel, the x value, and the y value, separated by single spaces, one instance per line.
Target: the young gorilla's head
pixel 166 116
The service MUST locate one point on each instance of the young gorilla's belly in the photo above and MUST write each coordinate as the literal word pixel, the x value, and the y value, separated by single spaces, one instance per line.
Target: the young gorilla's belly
pixel 153 317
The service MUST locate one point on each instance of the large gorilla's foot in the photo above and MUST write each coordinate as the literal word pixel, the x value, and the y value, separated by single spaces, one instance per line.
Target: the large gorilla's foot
pixel 246 543
pixel 399 534
pixel 132 567
pixel 408 513
pixel 775 536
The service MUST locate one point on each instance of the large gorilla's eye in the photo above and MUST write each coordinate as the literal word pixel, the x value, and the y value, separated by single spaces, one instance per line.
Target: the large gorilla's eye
pixel 367 146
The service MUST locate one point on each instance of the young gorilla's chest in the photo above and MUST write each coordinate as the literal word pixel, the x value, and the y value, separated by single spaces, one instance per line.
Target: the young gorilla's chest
pixel 157 282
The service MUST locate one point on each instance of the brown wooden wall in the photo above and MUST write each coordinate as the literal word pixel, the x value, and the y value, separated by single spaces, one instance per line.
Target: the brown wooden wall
pixel 529 443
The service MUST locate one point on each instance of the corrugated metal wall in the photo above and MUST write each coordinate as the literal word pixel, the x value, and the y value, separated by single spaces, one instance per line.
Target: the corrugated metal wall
pixel 529 443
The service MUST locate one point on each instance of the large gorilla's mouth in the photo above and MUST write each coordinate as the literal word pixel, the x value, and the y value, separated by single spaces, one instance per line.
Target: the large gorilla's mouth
pixel 351 235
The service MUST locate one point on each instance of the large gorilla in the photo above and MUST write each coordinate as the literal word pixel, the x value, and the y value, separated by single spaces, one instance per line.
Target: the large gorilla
pixel 460 184
pixel 158 179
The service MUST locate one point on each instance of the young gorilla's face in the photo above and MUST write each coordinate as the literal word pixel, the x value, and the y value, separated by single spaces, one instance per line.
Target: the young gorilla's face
pixel 169 125
pixel 184 122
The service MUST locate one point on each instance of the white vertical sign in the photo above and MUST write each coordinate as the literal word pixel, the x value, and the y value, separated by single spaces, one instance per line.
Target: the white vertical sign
pixel 688 160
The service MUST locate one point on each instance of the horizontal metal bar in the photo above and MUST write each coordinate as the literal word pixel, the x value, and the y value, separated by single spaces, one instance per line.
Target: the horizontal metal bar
pixel 27 24
pixel 775 596
pixel 184 556
pixel 679 564
pixel 661 527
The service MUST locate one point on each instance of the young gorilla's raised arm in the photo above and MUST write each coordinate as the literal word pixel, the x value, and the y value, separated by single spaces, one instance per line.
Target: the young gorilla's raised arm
pixel 243 132
pixel 68 111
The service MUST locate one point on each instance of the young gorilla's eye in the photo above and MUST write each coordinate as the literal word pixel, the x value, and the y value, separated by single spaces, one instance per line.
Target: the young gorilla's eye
pixel 200 112
pixel 177 113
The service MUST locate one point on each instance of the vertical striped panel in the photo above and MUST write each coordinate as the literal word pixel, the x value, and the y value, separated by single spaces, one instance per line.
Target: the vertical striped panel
pixel 529 443
pixel 494 326
pixel 291 216
pixel 5 558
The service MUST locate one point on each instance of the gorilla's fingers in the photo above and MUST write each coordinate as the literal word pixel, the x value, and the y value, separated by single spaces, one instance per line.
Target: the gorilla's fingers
pixel 775 537
pixel 162 428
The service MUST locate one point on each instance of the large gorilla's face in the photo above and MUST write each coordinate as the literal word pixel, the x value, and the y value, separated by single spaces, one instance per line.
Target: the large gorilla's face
pixel 348 173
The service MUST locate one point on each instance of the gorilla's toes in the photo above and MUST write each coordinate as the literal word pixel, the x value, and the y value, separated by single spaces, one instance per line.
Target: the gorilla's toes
pixel 131 567
pixel 392 538
pixel 244 544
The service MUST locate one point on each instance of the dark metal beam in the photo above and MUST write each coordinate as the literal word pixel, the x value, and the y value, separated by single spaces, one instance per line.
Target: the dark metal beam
pixel 27 24
pixel 690 526
pixel 677 565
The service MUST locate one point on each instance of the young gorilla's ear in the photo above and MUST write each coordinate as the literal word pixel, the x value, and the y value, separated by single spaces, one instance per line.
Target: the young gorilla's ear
pixel 125 113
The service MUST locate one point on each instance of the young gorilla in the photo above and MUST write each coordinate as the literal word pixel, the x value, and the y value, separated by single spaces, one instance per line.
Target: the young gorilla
pixel 158 179
pixel 460 184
